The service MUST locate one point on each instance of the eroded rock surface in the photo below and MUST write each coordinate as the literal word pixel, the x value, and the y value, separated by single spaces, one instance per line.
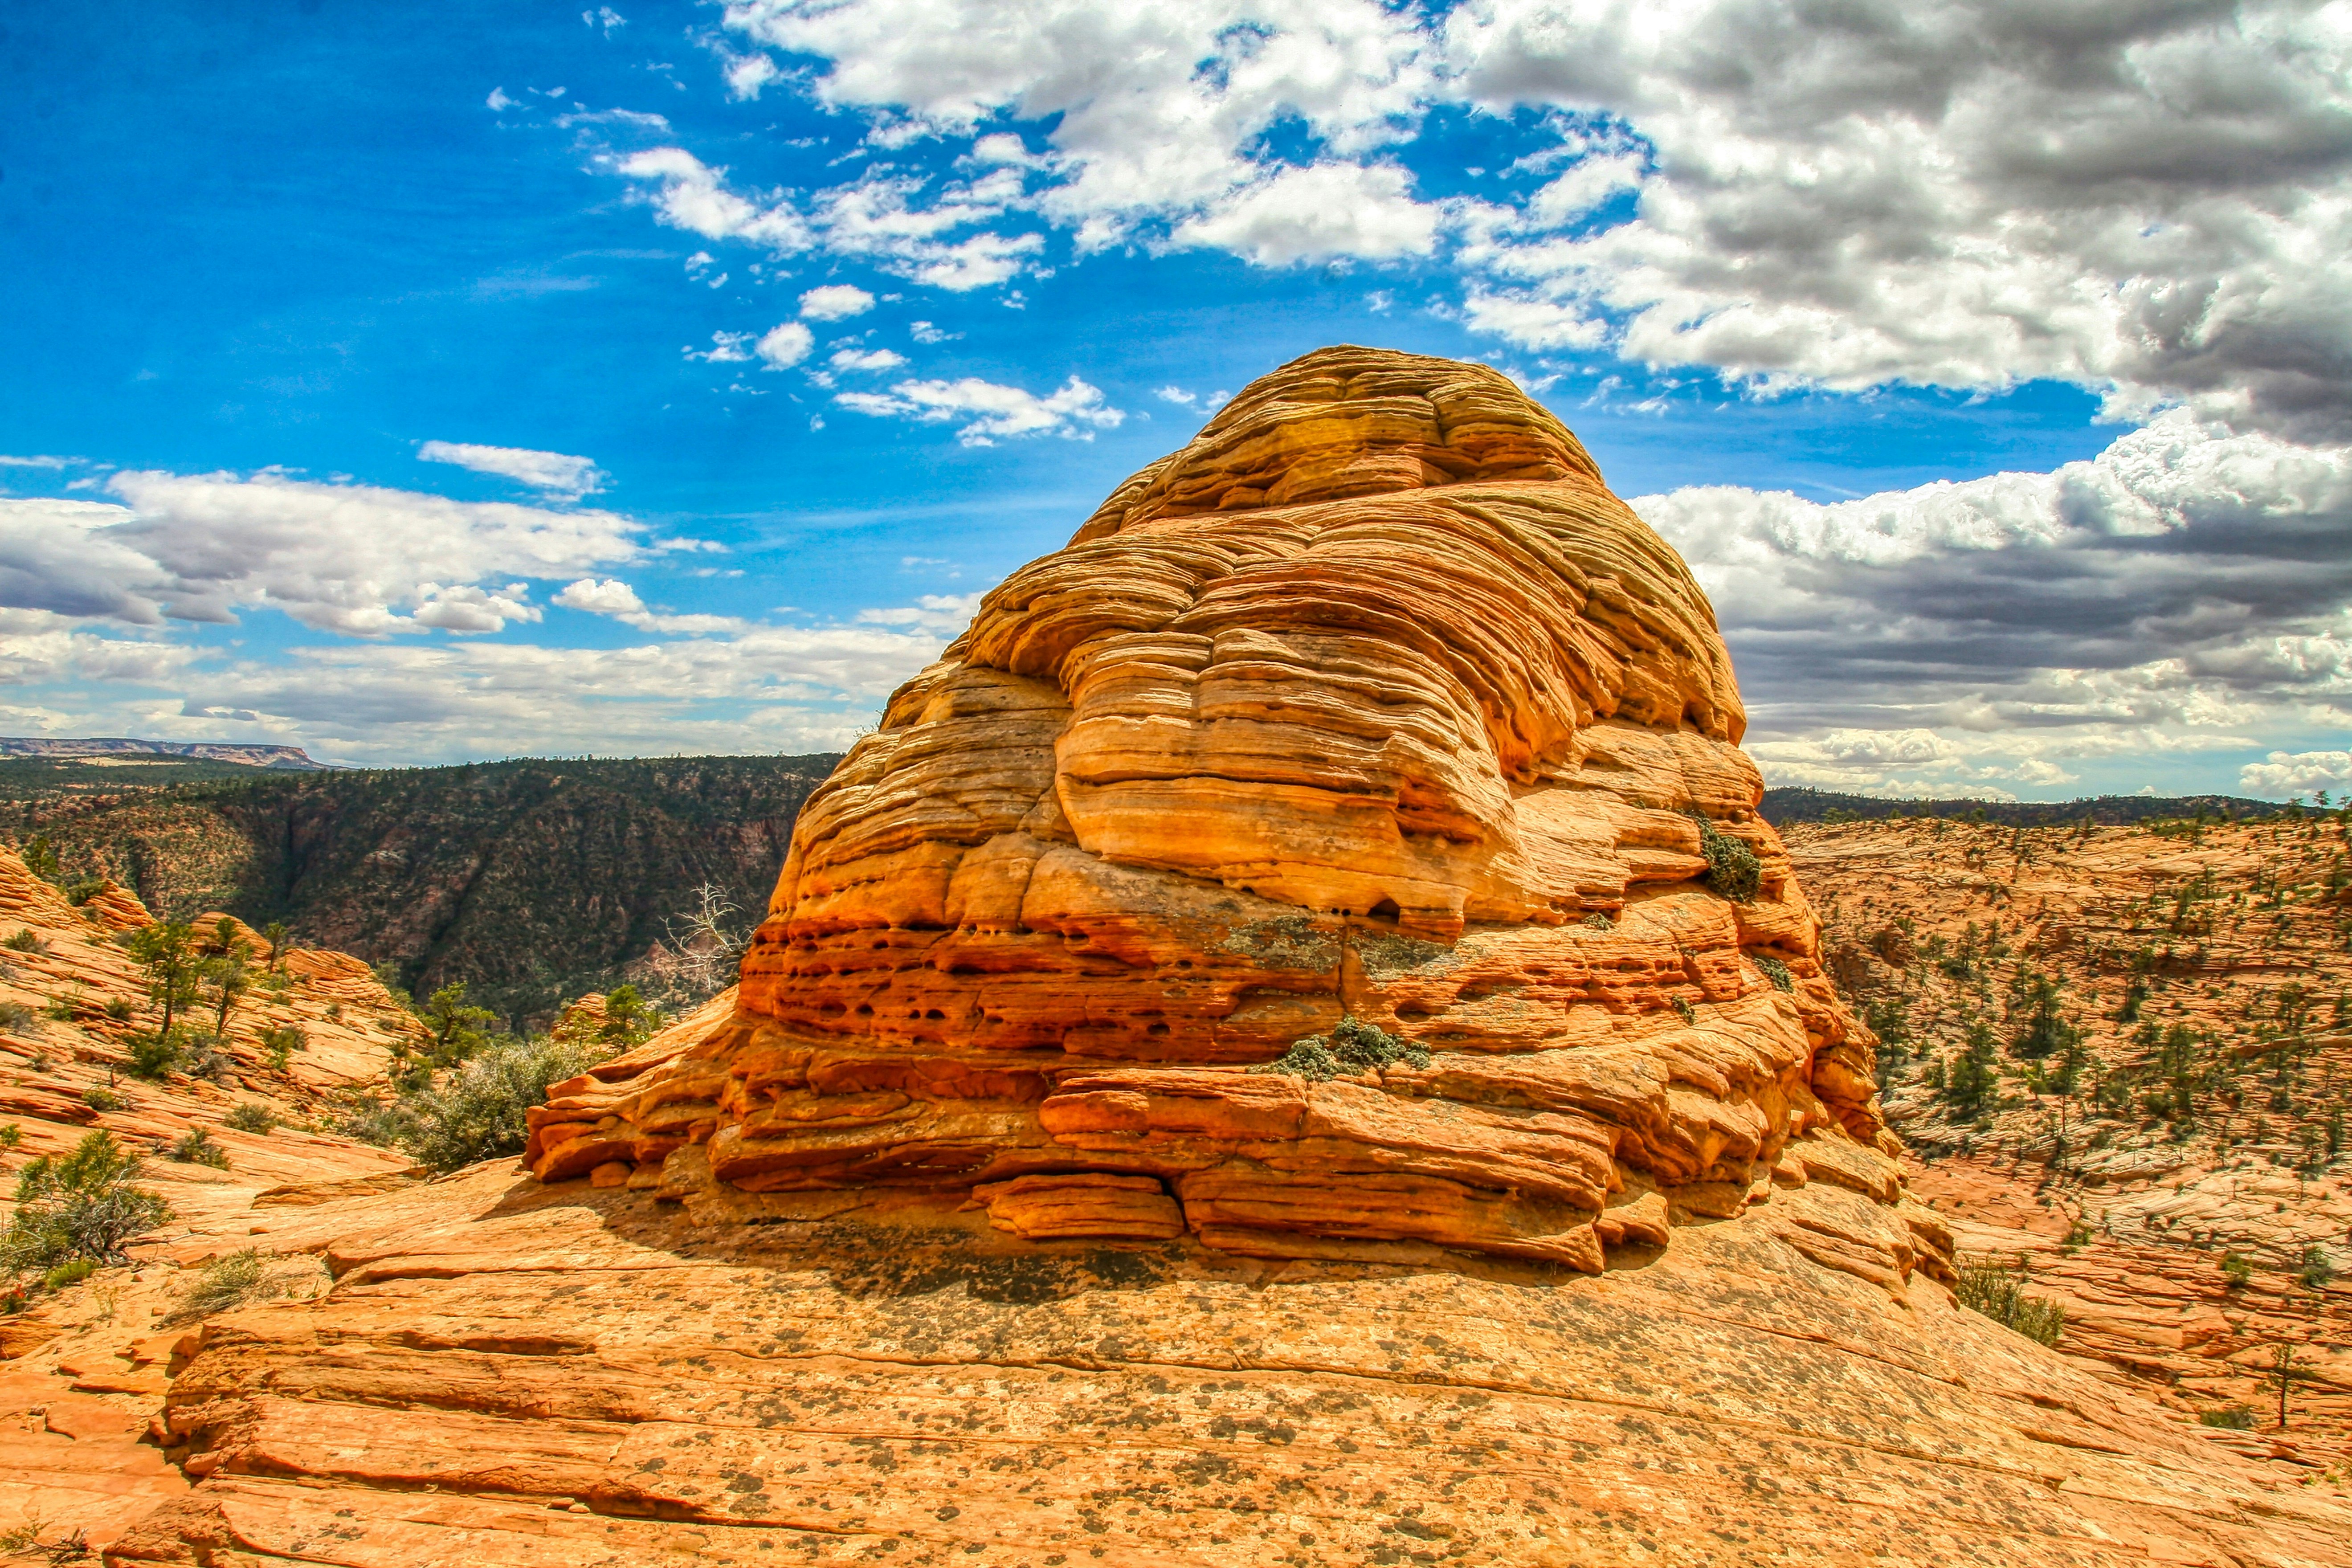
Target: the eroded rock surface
pixel 83 1367
pixel 2207 970
pixel 1370 702
pixel 965 1231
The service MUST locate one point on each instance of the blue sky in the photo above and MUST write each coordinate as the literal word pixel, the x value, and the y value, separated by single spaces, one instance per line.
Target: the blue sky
pixel 668 377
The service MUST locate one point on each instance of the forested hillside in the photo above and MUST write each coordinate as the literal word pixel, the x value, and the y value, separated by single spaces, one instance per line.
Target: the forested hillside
pixel 530 881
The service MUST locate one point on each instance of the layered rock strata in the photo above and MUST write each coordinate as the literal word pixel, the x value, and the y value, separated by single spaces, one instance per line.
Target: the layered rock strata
pixel 1371 703
pixel 84 1364
pixel 532 1376
pixel 965 1231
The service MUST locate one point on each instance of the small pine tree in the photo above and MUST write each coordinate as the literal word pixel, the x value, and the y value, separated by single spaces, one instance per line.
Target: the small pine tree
pixel 167 951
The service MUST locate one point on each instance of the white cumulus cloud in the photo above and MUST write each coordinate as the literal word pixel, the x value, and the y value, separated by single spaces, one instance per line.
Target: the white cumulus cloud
pixel 552 471
pixel 984 410
pixel 2184 590
pixel 2298 772
pixel 785 345
pixel 835 302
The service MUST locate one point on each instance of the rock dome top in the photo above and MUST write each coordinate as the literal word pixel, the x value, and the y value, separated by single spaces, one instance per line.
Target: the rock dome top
pixel 1345 422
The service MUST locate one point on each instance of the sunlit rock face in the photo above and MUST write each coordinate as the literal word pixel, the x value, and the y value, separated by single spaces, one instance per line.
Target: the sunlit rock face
pixel 1370 703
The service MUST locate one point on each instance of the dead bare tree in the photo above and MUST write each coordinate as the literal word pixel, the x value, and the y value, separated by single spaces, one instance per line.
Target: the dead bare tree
pixel 700 951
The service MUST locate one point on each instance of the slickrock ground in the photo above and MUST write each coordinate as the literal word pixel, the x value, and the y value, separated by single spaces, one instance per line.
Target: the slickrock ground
pixel 964 1231
pixel 2233 1146
pixel 82 1371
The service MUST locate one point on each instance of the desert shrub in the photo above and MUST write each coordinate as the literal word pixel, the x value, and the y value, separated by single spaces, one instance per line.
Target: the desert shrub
pixel 1597 920
pixel 79 890
pixel 98 1097
pixel 1997 1290
pixel 1308 1058
pixel 117 1008
pixel 11 1135
pixel 154 1055
pixel 1684 1011
pixel 61 1009
pixel 1352 1046
pixel 2236 1271
pixel 14 1016
pixel 280 1044
pixel 79 1205
pixel 250 1116
pixel 203 1057
pixel 2234 1417
pixel 2316 1269
pixel 69 1273
pixel 1732 869
pixel 25 940
pixel 196 1147
pixel 226 1283
pixel 1776 972
pixel 473 1112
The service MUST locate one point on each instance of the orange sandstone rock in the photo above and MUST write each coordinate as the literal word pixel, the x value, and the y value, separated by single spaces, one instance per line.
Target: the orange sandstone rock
pixel 1371 703
pixel 963 1232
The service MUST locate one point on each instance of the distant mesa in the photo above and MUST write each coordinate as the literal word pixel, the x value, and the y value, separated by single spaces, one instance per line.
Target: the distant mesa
pixel 110 748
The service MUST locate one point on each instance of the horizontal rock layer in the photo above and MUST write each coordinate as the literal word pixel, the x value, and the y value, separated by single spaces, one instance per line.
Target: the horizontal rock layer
pixel 555 1375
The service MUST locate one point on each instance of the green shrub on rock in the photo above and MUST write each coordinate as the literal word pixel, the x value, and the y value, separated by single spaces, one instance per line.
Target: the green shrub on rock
pixel 1352 1046
pixel 1732 869
pixel 81 1204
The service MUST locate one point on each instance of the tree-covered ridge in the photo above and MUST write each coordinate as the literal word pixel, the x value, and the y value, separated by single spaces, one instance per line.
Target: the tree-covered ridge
pixel 528 880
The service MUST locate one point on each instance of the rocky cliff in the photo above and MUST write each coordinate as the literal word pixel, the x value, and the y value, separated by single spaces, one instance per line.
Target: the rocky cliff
pixel 1370 707
pixel 531 881
pixel 1290 1045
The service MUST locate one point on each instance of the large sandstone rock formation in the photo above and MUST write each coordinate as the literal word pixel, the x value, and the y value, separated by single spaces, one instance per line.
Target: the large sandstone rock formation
pixel 970 1231
pixel 1370 703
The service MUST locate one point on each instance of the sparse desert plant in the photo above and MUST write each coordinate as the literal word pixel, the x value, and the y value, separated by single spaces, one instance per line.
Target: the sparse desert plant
pixel 474 1112
pixel 61 1009
pixel 14 1018
pixel 1732 869
pixel 154 1055
pixel 1775 971
pixel 72 1272
pixel 1352 1046
pixel 1995 1288
pixel 229 1282
pixel 280 1044
pixel 2317 1268
pixel 167 951
pixel 2236 1271
pixel 2231 1417
pixel 196 1147
pixel 117 1008
pixel 204 1058
pixel 25 940
pixel 1598 920
pixel 78 1205
pixel 250 1116
pixel 98 1097
pixel 11 1135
